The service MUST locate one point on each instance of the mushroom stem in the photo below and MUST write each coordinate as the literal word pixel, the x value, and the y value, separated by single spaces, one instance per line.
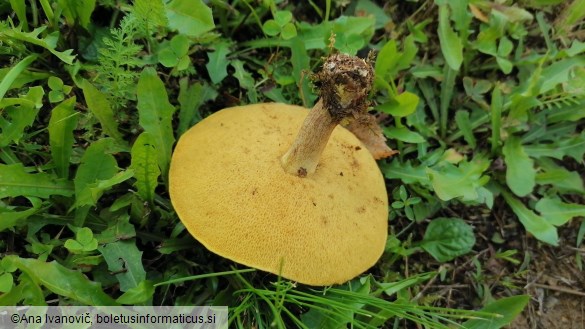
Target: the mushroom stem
pixel 345 82
pixel 303 156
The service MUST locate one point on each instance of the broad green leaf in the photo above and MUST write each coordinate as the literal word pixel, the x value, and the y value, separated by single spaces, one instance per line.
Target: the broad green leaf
pixel 557 212
pixel 99 106
pixel 476 88
pixel 124 258
pixel 406 172
pixel 61 125
pixel 62 281
pixel 145 165
pixel 520 172
pixel 349 44
pixel 190 17
pixel 386 59
pixel 505 65
pixel 139 294
pixel 10 77
pixel 403 134
pixel 77 11
pixel 448 238
pixel 289 31
pixel 15 181
pixel 27 291
pixel 463 181
pixel 559 72
pixel 10 218
pixel 120 229
pixel 487 37
pixel 84 236
pixel 573 147
pixel 271 28
pixel 96 165
pixel 83 242
pixel 49 42
pixel 218 62
pixel 390 61
pixel 282 17
pixel 560 178
pixel 56 96
pixel 505 47
pixel 462 120
pixel 506 308
pixel 15 118
pixel 407 56
pixel 534 224
pixel 402 105
pixel 6 282
pixel 190 99
pixel 155 115
pixel 317 37
pixel 451 45
pixel 174 52
pixel 352 33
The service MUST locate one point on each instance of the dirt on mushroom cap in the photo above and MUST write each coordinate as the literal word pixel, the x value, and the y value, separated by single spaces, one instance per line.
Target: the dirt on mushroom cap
pixel 230 191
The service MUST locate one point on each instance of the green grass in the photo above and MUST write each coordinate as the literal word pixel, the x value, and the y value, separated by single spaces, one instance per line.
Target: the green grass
pixel 484 102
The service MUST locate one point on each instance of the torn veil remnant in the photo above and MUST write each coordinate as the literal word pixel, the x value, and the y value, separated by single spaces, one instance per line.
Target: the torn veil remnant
pixel 308 204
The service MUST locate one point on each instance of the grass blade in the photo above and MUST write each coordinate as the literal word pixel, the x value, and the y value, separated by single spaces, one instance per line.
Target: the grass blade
pixel 14 72
pixel 63 121
pixel 496 110
pixel 447 90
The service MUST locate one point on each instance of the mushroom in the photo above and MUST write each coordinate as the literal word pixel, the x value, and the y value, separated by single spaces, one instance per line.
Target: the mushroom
pixel 312 209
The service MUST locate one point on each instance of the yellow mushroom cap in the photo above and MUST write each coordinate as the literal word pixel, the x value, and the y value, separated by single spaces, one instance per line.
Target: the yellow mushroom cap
pixel 232 194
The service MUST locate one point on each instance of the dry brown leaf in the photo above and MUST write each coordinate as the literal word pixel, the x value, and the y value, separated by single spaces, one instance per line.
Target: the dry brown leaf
pixel 477 13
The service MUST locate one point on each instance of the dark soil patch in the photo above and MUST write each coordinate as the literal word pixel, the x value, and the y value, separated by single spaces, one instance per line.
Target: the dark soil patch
pixel 550 275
